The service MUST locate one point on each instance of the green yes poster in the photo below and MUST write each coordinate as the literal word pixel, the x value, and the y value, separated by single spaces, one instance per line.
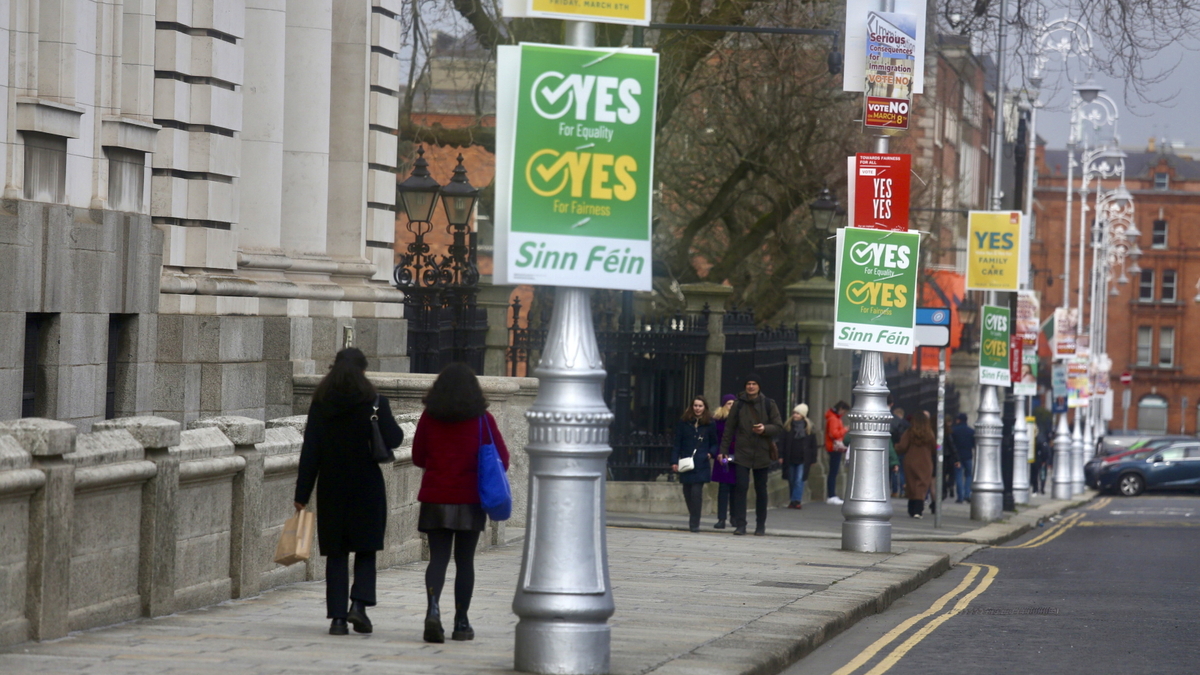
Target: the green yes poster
pixel 574 166
pixel 993 348
pixel 876 302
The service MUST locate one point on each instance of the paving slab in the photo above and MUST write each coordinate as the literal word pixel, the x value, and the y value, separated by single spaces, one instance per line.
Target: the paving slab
pixel 703 603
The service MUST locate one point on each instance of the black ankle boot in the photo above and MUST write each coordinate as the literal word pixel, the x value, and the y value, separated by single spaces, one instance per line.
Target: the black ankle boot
pixel 338 627
pixel 433 620
pixel 358 617
pixel 462 629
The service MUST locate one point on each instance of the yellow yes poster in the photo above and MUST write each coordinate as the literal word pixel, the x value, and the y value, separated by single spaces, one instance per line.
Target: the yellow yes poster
pixel 993 250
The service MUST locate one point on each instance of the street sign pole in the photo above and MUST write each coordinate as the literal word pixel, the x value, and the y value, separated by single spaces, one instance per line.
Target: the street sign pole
pixel 941 438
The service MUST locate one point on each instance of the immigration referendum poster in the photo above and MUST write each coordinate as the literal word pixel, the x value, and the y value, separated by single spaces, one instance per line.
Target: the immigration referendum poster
pixel 574 161
pixel 875 307
pixel 854 46
pixel 891 62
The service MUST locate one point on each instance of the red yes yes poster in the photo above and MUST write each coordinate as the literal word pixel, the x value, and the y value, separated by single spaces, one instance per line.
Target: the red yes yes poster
pixel 881 191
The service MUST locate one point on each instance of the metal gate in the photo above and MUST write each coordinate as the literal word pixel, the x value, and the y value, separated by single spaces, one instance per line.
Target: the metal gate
pixel 766 352
pixel 662 360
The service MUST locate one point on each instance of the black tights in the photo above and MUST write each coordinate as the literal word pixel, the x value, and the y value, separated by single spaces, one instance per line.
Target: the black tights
pixel 464 542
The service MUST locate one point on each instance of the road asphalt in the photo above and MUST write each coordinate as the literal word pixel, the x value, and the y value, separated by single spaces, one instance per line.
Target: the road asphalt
pixel 705 603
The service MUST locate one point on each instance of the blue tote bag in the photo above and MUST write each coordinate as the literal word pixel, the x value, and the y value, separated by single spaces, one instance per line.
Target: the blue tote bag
pixel 494 494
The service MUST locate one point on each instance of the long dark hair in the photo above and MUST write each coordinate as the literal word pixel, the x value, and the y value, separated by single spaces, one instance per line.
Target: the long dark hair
pixel 455 395
pixel 689 416
pixel 922 428
pixel 347 378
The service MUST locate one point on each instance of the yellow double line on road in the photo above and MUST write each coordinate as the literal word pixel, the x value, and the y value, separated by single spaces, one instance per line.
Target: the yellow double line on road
pixel 1053 532
pixel 973 578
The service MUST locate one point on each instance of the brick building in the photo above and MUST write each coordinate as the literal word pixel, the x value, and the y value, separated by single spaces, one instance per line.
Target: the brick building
pixel 1150 316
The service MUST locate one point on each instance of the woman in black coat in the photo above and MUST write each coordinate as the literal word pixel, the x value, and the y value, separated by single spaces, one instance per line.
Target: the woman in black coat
pixel 336 456
pixel 695 437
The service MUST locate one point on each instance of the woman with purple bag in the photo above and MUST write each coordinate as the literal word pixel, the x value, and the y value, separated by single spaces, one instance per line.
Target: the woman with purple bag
pixel 723 473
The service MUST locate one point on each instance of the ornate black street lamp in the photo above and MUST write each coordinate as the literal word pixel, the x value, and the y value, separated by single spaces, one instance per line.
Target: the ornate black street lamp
pixel 444 323
pixel 825 211
pixel 968 311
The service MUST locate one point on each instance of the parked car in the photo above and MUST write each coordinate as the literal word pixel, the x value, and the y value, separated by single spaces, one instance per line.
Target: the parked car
pixel 1176 466
pixel 1091 469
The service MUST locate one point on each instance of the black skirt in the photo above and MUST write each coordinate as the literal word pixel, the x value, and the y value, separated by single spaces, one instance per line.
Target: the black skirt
pixel 467 517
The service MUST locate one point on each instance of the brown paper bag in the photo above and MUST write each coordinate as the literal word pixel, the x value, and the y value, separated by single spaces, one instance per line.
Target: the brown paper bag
pixel 295 544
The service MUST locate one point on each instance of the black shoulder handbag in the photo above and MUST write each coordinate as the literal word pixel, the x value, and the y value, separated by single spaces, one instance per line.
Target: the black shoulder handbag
pixel 380 452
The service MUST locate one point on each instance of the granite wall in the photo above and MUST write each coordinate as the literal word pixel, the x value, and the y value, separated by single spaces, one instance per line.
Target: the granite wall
pixel 139 517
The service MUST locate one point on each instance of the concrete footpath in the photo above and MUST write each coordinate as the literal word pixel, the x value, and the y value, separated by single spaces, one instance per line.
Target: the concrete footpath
pixel 705 603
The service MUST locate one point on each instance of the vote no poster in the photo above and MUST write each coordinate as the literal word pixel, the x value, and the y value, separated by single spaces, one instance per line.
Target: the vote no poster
pixel 574 160
pixel 875 307
pixel 993 250
pixel 891 67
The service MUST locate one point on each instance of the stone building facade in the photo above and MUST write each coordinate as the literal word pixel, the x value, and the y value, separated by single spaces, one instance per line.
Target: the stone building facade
pixel 1149 317
pixel 198 202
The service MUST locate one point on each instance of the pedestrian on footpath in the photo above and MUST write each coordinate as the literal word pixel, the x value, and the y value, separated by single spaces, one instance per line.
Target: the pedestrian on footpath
pixel 336 458
pixel 835 448
pixel 964 443
pixel 896 428
pixel 917 449
pixel 797 451
pixel 1041 458
pixel 951 466
pixel 695 438
pixel 724 473
pixel 455 423
pixel 753 423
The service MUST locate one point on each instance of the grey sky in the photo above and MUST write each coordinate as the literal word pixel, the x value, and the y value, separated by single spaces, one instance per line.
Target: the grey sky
pixel 1174 120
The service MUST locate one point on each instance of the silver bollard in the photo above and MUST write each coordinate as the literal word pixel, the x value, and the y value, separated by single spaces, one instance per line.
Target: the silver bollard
pixel 563 597
pixel 867 511
pixel 987 489
pixel 1062 459
pixel 1077 454
pixel 1020 459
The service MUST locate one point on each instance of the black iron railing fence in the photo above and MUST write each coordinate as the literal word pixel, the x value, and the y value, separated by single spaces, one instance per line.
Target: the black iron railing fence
pixel 663 361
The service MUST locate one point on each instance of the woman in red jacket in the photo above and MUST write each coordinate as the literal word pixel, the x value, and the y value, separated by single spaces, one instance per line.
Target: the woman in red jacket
pixel 446 445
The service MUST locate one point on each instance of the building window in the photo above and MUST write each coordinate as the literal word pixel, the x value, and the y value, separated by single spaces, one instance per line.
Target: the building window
pixel 1146 286
pixel 1166 347
pixel 1145 338
pixel 1152 414
pixel 126 176
pixel 45 167
pixel 1158 234
pixel 1162 180
pixel 1168 286
pixel 33 379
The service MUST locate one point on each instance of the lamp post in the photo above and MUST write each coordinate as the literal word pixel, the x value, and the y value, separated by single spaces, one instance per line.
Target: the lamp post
pixel 824 211
pixel 1066 37
pixel 867 511
pixel 437 286
pixel 564 597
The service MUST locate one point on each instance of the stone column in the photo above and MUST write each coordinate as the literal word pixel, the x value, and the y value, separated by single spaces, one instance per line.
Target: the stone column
pixel 715 297
pixel 307 73
pixel 263 126
pixel 495 300
pixel 831 375
pixel 245 538
pixel 156 568
pixel 51 510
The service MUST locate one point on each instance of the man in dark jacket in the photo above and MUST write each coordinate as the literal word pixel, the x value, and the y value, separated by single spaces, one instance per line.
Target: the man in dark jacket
pixel 753 422
pixel 964 442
